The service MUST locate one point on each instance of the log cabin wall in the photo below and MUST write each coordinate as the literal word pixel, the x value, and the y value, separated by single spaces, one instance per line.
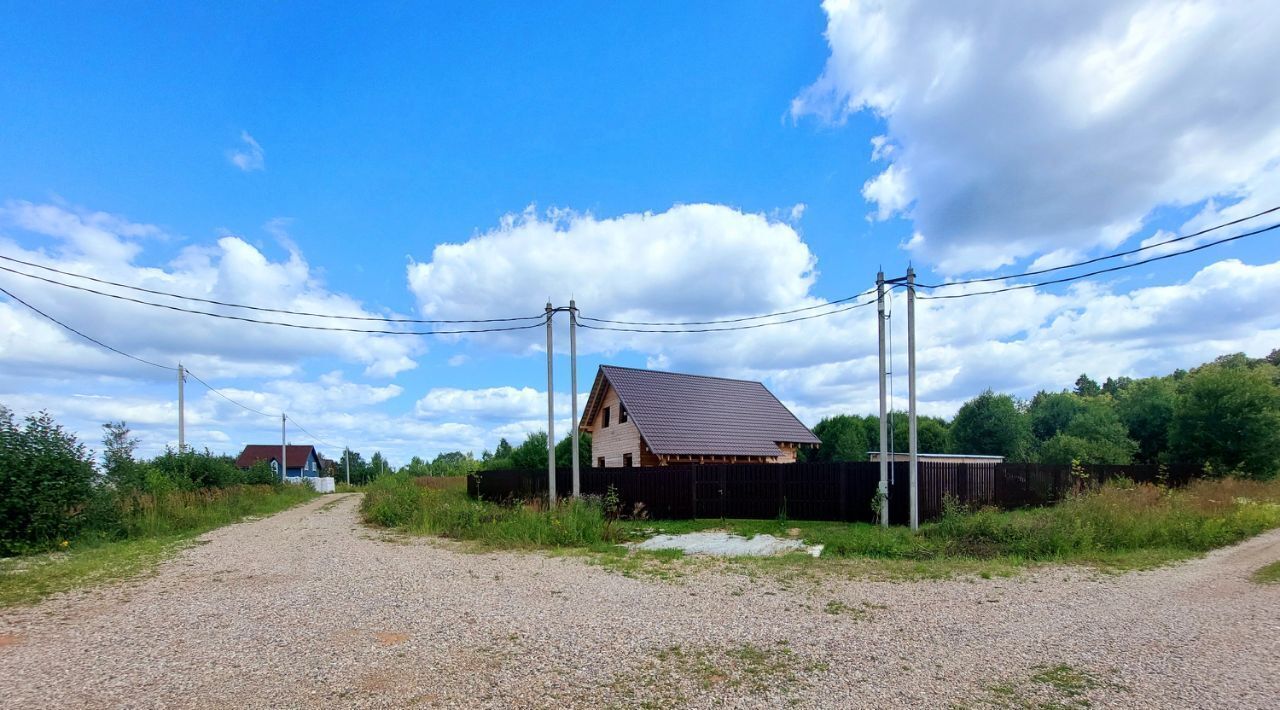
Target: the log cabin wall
pixel 613 442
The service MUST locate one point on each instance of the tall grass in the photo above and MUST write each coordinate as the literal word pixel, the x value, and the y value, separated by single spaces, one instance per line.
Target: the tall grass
pixel 1117 518
pixel 177 512
pixel 401 502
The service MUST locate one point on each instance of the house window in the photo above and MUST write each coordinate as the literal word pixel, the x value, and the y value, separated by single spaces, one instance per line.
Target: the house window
pixel 622 414
pixel 275 466
pixel 606 419
pixel 626 459
pixel 600 462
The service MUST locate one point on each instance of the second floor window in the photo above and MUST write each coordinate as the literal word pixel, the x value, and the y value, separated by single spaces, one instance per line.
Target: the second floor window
pixel 606 419
pixel 622 414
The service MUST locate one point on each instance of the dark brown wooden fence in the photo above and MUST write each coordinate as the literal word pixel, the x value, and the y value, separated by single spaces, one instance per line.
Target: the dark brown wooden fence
pixel 818 491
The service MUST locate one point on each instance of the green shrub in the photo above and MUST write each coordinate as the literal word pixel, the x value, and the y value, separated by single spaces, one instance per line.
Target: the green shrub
pixel 46 483
pixel 190 470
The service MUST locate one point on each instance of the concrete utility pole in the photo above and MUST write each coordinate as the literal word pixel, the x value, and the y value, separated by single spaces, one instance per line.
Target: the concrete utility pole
pixel 914 473
pixel 573 385
pixel 884 419
pixel 551 416
pixel 284 462
pixel 182 414
pixel 347 456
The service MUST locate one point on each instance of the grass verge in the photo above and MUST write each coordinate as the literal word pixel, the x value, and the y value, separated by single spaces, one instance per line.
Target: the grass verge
pixel 1117 527
pixel 1269 574
pixel 419 506
pixel 157 526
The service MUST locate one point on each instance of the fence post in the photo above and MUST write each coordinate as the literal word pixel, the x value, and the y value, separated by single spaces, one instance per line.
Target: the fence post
pixel 693 484
pixel 723 486
pixel 782 492
pixel 962 483
pixel 844 492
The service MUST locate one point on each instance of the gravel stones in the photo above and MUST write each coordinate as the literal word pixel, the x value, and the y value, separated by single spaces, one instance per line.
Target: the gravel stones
pixel 308 608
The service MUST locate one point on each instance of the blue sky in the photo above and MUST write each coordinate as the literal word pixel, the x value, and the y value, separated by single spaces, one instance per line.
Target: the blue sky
pixel 782 152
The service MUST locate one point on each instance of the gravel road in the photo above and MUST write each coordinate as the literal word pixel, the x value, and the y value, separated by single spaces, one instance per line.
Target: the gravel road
pixel 309 609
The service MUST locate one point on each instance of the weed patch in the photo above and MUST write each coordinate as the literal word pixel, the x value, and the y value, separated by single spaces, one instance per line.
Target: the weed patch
pixel 1049 687
pixel 1269 574
pixel 678 676
pixel 401 502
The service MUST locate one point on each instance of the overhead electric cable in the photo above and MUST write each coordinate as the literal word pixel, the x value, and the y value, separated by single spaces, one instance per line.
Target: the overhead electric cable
pixel 218 392
pixel 91 339
pixel 719 330
pixel 1106 257
pixel 1121 267
pixel 301 326
pixel 729 320
pixel 263 309
pixel 304 431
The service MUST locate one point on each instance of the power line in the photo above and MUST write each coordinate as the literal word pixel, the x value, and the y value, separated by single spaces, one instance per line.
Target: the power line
pixel 263 309
pixel 1100 271
pixel 313 436
pixel 91 339
pixel 725 320
pixel 738 327
pixel 460 331
pixel 1107 257
pixel 218 392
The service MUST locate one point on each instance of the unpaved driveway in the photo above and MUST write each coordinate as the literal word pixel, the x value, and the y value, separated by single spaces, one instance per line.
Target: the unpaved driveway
pixel 307 608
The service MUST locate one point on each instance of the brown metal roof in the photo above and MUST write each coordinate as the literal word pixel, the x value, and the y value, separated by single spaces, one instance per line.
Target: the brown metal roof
pixel 680 414
pixel 296 454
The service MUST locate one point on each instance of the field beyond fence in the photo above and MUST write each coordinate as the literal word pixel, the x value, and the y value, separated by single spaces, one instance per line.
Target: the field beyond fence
pixel 819 491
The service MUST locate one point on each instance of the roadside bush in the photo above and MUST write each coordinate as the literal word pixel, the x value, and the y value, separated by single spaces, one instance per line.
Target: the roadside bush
pixel 398 502
pixel 190 470
pixel 50 492
pixel 46 483
pixel 260 474
pixel 394 501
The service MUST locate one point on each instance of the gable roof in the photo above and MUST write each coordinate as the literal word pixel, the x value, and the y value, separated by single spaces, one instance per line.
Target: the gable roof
pixel 295 454
pixel 699 415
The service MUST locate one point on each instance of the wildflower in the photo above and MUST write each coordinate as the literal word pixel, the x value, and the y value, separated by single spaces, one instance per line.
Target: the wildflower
pixel 63 544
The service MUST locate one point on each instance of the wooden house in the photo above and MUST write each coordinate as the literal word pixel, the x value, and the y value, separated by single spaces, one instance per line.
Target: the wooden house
pixel 301 460
pixel 650 418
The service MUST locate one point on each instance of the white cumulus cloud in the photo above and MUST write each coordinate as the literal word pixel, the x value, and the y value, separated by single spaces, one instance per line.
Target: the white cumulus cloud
pixel 1016 130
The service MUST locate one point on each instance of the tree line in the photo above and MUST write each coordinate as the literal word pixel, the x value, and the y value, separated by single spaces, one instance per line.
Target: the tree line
pixel 529 454
pixel 1223 415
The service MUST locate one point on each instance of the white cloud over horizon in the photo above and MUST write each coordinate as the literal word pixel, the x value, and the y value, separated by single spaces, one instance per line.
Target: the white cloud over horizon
pixel 1016 131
